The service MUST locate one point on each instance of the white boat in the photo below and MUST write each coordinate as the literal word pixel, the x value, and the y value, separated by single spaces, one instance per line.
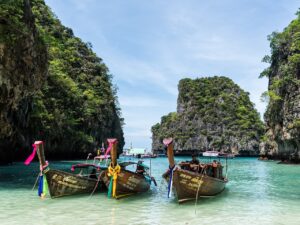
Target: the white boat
pixel 218 154
pixel 211 153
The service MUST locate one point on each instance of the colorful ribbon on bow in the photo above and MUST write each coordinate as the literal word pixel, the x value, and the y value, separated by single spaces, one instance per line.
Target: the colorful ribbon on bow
pixel 171 170
pixel 32 155
pixel 113 174
pixel 43 186
pixel 108 149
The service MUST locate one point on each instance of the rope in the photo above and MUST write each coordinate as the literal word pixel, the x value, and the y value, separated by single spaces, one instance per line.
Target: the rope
pixel 37 178
pixel 95 186
pixel 113 173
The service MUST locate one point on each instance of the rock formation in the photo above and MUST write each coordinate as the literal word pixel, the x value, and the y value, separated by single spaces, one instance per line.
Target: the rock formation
pixel 23 69
pixel 53 87
pixel 282 138
pixel 212 113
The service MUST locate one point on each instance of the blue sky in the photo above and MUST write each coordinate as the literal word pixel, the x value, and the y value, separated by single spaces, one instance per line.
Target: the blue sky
pixel 150 45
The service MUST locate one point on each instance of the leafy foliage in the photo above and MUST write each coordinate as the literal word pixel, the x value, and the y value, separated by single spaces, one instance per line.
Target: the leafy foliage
pixel 214 109
pixel 77 107
pixel 283 72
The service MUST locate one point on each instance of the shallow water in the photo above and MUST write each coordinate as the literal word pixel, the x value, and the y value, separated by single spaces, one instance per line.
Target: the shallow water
pixel 257 193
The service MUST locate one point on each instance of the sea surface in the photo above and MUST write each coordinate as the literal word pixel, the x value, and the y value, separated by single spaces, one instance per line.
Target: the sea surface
pixel 258 192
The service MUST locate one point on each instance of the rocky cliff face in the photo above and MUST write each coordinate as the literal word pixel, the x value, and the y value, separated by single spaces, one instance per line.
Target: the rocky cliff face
pixel 212 113
pixel 76 109
pixel 282 139
pixel 53 86
pixel 23 69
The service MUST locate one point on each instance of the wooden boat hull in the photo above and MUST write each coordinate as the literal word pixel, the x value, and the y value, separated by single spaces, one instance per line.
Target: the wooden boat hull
pixel 128 183
pixel 186 185
pixel 62 183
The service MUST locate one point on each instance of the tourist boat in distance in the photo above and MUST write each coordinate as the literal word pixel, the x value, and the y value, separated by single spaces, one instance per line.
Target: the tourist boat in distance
pixel 218 154
pixel 207 181
pixel 122 182
pixel 146 156
pixel 210 153
pixel 60 183
pixel 138 153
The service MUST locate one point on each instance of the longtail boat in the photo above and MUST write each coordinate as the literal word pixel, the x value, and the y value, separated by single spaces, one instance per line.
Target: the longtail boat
pixel 122 182
pixel 187 184
pixel 60 183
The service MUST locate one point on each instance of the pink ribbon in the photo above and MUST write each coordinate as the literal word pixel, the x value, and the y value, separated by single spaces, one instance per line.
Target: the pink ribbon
pixel 44 166
pixel 32 155
pixel 108 149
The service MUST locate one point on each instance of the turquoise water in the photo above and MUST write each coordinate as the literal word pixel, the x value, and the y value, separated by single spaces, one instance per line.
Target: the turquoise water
pixel 257 193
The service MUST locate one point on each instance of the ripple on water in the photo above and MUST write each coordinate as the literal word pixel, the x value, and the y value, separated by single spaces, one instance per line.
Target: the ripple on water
pixel 257 193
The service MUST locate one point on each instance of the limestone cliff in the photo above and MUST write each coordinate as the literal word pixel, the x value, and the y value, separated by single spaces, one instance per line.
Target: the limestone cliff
pixel 212 113
pixel 23 69
pixel 53 86
pixel 282 139
pixel 77 108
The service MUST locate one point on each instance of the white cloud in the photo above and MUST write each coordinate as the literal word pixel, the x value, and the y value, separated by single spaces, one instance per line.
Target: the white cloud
pixel 135 71
pixel 152 45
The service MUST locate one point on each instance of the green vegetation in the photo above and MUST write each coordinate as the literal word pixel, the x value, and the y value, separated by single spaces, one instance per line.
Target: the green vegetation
pixel 213 112
pixel 11 12
pixel 77 106
pixel 284 78
pixel 282 135
pixel 73 106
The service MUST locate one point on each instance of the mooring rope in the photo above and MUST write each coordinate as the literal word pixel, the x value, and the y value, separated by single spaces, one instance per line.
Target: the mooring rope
pixel 37 178
pixel 96 185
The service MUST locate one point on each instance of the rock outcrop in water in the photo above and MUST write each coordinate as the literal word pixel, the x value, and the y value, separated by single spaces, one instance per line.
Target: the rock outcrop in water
pixel 282 139
pixel 53 86
pixel 212 113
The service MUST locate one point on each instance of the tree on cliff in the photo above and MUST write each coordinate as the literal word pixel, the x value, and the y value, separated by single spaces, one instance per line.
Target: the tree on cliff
pixel 282 116
pixel 76 106
pixel 212 112
pixel 23 69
